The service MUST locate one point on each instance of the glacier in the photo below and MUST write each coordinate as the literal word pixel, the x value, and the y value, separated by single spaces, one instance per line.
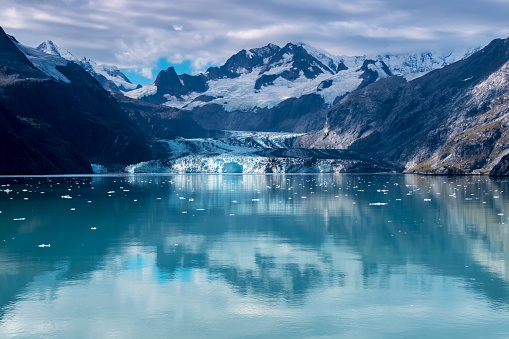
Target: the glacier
pixel 254 152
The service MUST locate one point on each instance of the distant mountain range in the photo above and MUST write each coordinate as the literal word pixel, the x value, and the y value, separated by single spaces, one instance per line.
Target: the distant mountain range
pixel 304 110
pixel 280 89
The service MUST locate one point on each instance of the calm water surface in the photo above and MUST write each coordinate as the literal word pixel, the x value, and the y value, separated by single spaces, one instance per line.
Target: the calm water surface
pixel 254 256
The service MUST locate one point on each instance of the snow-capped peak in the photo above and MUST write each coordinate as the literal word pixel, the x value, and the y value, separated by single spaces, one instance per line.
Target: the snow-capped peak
pixel 48 47
pixel 264 77
pixel 109 76
pixel 45 62
pixel 323 56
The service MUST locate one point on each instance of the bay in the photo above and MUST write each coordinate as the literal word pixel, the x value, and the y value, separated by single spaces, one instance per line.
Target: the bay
pixel 254 256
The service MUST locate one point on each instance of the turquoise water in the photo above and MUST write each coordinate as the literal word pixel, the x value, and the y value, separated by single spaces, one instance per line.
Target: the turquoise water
pixel 254 256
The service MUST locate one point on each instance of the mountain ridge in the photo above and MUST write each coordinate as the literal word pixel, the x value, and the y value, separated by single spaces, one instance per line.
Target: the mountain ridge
pixel 451 120
pixel 336 113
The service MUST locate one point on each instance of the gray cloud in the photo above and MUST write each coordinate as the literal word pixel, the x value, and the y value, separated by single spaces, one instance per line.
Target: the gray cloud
pixel 135 34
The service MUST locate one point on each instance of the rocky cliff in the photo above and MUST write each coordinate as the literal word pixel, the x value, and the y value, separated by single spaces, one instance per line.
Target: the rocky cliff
pixel 56 109
pixel 451 120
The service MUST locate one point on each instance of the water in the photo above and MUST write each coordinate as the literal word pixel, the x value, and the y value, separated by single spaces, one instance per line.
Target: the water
pixel 254 256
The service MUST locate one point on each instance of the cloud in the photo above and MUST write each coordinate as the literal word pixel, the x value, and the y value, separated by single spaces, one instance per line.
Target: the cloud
pixel 135 34
pixel 147 73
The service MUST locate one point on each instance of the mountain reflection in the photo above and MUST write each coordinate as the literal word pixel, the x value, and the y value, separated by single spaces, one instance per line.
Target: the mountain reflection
pixel 275 237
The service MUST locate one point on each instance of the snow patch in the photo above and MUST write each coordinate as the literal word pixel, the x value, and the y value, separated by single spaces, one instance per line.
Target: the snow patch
pixel 142 92
pixel 45 62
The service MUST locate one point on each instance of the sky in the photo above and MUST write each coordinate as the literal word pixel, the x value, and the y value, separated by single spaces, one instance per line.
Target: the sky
pixel 143 37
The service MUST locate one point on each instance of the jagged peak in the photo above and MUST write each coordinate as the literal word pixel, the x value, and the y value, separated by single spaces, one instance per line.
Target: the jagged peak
pixel 264 51
pixel 48 47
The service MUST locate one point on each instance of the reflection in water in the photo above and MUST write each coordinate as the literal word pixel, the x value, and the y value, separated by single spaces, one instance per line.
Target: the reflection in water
pixel 254 255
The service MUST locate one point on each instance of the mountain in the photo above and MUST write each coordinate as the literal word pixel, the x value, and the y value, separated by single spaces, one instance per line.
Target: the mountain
pixel 279 89
pixel 57 118
pixel 451 120
pixel 110 77
pixel 301 110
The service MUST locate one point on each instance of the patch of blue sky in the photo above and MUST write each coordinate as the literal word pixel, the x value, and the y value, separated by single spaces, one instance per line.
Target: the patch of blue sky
pixel 136 76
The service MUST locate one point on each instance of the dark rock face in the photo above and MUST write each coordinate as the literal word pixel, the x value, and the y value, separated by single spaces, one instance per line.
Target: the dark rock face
pixel 265 80
pixel 13 63
pixel 242 61
pixel 161 122
pixel 297 115
pixel 29 147
pixel 452 120
pixel 168 82
pixel 341 67
pixel 324 84
pixel 502 167
pixel 301 60
pixel 369 76
pixel 72 121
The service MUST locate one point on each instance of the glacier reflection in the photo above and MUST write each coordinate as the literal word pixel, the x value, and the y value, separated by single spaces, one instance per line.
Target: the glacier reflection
pixel 206 247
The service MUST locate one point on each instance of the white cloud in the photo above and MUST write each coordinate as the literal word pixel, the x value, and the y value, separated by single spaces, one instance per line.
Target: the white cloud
pixel 12 18
pixel 134 34
pixel 258 33
pixel 147 73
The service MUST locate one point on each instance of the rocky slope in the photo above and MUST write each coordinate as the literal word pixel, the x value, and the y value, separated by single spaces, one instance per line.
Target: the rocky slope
pixel 451 120
pixel 56 112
